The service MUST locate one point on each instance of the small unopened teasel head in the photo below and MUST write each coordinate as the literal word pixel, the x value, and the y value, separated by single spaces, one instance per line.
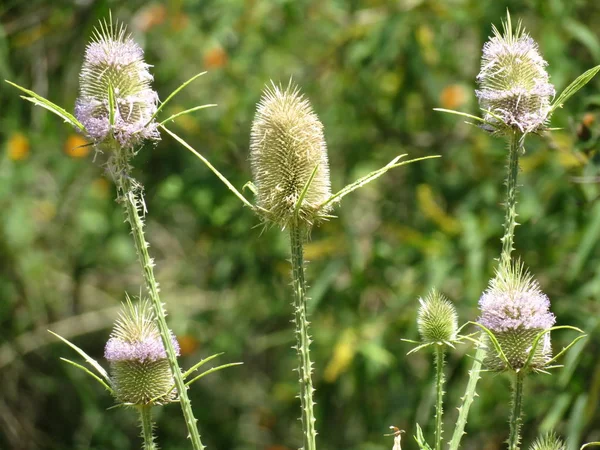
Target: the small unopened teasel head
pixel 437 319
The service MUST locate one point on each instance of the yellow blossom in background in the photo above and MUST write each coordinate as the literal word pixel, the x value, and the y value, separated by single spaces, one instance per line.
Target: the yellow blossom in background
pixel 18 147
pixel 453 96
pixel 76 146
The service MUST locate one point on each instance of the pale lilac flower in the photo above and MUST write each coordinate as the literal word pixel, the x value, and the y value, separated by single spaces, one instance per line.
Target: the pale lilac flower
pixel 515 91
pixel 113 61
pixel 148 348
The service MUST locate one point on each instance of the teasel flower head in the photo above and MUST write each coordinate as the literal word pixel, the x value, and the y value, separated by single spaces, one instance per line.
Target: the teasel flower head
pixel 516 311
pixel 548 442
pixel 116 101
pixel 286 146
pixel 514 89
pixel 437 320
pixel 140 371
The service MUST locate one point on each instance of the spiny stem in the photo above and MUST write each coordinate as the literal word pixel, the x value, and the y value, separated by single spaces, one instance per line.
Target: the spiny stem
pixel 510 221
pixel 130 195
pixel 515 415
pixel 439 385
pixel 302 338
pixel 147 427
pixel 463 411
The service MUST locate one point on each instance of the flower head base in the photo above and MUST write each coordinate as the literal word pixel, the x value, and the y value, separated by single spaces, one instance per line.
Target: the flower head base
pixel 115 76
pixel 140 371
pixel 286 146
pixel 437 319
pixel 515 91
pixel 516 311
pixel 548 442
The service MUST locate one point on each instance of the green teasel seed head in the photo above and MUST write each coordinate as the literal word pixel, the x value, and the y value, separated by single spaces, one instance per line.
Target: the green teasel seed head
pixel 514 88
pixel 516 311
pixel 437 320
pixel 286 145
pixel 548 442
pixel 116 102
pixel 140 371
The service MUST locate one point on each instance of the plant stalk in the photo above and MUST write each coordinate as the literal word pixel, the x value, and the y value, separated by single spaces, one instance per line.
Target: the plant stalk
pixel 463 410
pixel 515 416
pixel 147 426
pixel 439 385
pixel 302 337
pixel 510 220
pixel 130 195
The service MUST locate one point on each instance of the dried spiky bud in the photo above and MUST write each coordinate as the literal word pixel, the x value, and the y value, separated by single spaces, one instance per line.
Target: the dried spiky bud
pixel 437 319
pixel 114 63
pixel 515 310
pixel 140 370
pixel 286 144
pixel 515 91
pixel 548 442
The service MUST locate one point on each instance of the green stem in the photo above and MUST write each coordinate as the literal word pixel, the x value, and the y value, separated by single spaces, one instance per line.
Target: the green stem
pixel 515 415
pixel 147 427
pixel 130 195
pixel 510 221
pixel 302 338
pixel 463 410
pixel 439 384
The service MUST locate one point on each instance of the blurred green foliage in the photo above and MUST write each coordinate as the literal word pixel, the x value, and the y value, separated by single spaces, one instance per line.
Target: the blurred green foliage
pixel 373 71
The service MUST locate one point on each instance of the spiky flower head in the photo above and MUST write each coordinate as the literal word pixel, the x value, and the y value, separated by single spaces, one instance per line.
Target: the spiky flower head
pixel 516 311
pixel 514 88
pixel 548 442
pixel 116 101
pixel 437 319
pixel 286 146
pixel 140 370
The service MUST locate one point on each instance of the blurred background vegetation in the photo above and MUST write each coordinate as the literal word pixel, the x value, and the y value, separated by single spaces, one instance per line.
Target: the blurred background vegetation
pixel 373 71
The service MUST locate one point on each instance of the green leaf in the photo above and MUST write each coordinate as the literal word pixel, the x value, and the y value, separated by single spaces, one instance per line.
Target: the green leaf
pixel 590 444
pixel 211 167
pixel 370 177
pixel 173 94
pixel 495 342
pixel 459 113
pixel 251 187
pixel 200 364
pixel 91 361
pixel 89 372
pixel 111 104
pixel 420 439
pixel 305 190
pixel 187 111
pixel 571 89
pixel 47 104
pixel 214 369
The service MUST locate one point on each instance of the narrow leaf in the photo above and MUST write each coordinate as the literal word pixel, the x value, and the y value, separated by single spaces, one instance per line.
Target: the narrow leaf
pixel 495 343
pixel 211 167
pixel 250 186
pixel 370 177
pixel 200 364
pixel 173 94
pixel 214 369
pixel 111 104
pixel 459 113
pixel 590 444
pixel 187 111
pixel 91 361
pixel 90 373
pixel 45 103
pixel 305 190
pixel 571 89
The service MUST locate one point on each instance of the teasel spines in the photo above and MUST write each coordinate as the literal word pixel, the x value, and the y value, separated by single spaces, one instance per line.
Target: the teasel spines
pixel 437 320
pixel 286 145
pixel 516 311
pixel 140 372
pixel 515 92
pixel 548 442
pixel 114 66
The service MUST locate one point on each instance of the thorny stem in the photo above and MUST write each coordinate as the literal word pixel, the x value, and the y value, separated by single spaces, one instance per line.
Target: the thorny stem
pixel 510 221
pixel 467 400
pixel 302 338
pixel 439 384
pixel 515 415
pixel 147 426
pixel 131 196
